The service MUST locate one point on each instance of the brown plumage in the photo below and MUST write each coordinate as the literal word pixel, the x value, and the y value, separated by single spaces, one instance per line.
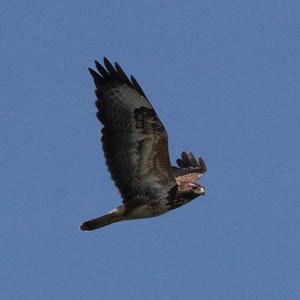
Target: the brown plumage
pixel 135 145
pixel 190 170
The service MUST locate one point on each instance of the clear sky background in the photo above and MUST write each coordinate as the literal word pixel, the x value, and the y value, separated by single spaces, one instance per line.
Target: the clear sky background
pixel 224 77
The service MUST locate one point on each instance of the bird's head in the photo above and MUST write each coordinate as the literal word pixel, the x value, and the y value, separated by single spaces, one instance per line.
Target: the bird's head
pixel 191 190
pixel 196 188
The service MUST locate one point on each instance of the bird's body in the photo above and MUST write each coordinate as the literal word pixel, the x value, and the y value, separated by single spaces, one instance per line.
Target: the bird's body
pixel 135 145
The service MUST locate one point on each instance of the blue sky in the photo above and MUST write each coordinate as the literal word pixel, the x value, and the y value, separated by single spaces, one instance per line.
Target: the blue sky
pixel 223 77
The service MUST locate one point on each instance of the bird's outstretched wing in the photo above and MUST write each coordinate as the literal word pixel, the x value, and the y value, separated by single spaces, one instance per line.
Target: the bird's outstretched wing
pixel 134 140
pixel 190 170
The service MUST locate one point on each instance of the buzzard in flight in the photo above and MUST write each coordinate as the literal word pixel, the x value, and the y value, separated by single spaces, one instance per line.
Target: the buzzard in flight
pixel 135 145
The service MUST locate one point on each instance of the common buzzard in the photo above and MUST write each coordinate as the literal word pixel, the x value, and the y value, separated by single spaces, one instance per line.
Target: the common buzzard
pixel 135 145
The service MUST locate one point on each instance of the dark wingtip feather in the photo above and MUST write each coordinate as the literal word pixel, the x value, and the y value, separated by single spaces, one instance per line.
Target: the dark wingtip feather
pixel 192 160
pixel 97 78
pixel 111 70
pixel 122 74
pixel 202 165
pixel 112 74
pixel 137 86
pixel 93 73
pixel 107 63
pixel 102 70
pixel 189 161
pixel 180 163
pixel 185 158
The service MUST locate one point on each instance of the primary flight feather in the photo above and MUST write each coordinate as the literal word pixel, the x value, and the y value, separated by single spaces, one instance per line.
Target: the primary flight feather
pixel 135 145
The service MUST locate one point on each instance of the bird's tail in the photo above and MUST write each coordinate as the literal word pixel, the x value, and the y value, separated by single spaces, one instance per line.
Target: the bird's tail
pixel 109 218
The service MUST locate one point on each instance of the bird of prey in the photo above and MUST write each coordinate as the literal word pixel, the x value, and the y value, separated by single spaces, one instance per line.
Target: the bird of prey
pixel 135 145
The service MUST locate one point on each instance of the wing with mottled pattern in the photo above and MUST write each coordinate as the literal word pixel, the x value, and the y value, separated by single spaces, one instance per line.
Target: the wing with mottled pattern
pixel 134 140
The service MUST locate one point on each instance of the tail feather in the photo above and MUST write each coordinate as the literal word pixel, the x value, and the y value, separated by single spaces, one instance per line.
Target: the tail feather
pixel 102 221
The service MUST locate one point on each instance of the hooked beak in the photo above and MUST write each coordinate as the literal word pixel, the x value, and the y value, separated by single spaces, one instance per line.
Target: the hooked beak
pixel 202 190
